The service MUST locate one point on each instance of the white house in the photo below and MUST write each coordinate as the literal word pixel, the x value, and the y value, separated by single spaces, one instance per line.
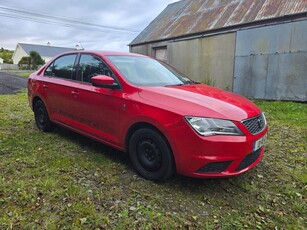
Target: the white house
pixel 1 60
pixel 46 51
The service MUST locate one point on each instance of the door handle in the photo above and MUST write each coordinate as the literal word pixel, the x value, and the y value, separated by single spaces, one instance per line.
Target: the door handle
pixel 74 93
pixel 45 86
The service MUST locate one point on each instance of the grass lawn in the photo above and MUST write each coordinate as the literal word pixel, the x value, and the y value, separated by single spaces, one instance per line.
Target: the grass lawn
pixel 21 73
pixel 24 74
pixel 62 180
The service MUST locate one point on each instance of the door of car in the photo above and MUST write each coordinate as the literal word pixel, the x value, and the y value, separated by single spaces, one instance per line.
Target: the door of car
pixel 59 92
pixel 99 109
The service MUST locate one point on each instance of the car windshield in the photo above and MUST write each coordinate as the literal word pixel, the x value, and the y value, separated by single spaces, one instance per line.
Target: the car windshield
pixel 144 71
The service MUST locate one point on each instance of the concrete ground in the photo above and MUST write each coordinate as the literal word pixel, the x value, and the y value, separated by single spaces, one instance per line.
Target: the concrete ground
pixel 10 83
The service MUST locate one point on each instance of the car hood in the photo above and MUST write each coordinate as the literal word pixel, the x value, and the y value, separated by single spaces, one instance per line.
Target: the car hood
pixel 200 100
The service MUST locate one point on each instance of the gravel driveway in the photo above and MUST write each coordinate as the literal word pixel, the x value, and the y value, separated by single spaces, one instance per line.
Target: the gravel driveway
pixel 10 84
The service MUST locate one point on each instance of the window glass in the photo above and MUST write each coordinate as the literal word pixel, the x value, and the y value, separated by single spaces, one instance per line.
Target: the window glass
pixel 62 67
pixel 91 66
pixel 148 72
pixel 48 71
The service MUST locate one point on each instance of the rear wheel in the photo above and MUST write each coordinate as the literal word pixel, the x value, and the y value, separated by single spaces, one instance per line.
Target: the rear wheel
pixel 41 117
pixel 151 155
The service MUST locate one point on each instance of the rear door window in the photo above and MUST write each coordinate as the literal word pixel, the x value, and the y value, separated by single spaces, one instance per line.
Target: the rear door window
pixel 62 67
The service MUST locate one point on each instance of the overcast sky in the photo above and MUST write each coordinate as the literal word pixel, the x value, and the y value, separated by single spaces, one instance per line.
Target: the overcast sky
pixel 97 24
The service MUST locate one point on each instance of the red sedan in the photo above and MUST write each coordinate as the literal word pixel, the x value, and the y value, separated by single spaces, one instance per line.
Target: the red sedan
pixel 164 120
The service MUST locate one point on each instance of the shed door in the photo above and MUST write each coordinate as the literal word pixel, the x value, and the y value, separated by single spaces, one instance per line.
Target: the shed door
pixel 161 53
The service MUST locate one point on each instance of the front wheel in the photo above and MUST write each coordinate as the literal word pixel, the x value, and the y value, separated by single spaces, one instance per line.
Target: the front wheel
pixel 151 155
pixel 41 117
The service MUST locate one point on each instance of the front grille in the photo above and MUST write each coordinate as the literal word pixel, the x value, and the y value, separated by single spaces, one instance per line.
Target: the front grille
pixel 214 167
pixel 255 125
pixel 249 160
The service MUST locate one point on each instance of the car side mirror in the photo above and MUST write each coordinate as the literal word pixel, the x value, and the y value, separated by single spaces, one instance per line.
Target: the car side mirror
pixel 104 82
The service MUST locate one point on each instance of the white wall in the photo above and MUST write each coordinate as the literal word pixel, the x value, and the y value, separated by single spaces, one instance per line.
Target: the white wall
pixel 18 54
pixel 5 66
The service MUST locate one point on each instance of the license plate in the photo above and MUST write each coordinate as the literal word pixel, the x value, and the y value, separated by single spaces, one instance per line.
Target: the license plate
pixel 259 143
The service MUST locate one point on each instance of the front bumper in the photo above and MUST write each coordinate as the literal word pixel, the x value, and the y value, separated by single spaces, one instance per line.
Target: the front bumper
pixel 233 167
pixel 215 156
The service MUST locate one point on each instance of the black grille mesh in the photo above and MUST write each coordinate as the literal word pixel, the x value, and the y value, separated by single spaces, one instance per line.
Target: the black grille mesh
pixel 214 167
pixel 249 159
pixel 256 124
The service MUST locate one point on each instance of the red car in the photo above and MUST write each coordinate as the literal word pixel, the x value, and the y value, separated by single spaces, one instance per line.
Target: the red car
pixel 164 120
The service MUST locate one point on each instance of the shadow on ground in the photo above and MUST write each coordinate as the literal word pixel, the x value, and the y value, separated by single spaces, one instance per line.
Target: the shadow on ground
pixel 122 158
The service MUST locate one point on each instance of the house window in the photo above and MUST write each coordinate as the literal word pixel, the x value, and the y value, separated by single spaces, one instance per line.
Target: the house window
pixel 161 53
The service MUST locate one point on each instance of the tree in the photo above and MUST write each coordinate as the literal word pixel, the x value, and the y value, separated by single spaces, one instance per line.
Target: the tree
pixel 31 62
pixel 25 63
pixel 6 55
pixel 36 58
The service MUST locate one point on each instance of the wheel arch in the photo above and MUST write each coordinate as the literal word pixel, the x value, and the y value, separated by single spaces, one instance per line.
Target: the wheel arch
pixel 140 125
pixel 38 98
pixel 35 99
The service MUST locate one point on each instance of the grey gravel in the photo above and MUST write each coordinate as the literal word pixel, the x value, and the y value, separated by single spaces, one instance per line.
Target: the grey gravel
pixel 10 84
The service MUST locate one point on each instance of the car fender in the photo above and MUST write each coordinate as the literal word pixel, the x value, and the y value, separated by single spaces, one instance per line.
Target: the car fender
pixel 161 120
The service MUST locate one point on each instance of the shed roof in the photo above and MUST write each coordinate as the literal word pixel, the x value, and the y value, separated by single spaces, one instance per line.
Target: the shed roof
pixel 44 51
pixel 195 16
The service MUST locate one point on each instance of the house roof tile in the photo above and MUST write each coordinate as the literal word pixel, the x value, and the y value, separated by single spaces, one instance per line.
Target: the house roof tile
pixel 44 51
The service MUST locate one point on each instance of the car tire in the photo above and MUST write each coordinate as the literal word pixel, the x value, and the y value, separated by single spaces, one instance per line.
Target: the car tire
pixel 151 155
pixel 41 117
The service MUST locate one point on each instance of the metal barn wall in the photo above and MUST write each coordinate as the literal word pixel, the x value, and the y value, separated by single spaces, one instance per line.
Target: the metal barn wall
pixel 271 62
pixel 147 49
pixel 141 49
pixel 207 59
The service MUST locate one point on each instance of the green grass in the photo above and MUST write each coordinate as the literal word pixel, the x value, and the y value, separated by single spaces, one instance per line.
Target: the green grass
pixel 24 74
pixel 21 73
pixel 62 180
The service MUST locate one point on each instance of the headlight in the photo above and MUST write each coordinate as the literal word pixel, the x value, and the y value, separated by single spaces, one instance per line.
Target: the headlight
pixel 212 126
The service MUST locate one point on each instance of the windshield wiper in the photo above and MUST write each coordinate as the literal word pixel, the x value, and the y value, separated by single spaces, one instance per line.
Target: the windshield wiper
pixel 187 83
pixel 180 84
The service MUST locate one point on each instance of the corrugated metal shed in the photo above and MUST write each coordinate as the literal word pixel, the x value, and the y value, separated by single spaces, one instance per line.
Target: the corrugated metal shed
pixel 195 16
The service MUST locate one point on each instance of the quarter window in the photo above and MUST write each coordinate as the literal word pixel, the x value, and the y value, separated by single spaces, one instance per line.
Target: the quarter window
pixel 62 67
pixel 91 66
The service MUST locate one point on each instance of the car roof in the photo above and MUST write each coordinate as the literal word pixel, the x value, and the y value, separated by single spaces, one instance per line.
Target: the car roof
pixel 104 53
